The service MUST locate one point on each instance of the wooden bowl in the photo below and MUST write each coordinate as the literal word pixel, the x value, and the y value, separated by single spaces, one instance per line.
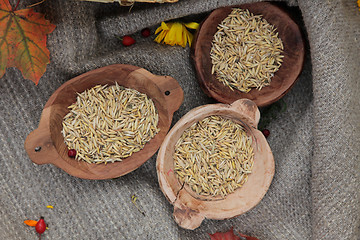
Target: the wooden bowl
pixel 189 209
pixel 283 79
pixel 165 92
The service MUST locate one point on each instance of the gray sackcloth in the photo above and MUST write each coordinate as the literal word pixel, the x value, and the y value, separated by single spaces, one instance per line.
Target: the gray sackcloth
pixel 315 193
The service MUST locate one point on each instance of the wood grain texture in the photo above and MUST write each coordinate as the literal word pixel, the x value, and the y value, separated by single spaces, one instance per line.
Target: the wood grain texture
pixel 190 209
pixel 284 78
pixel 165 92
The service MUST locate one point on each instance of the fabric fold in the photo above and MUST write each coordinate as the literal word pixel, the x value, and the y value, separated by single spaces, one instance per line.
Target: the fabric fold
pixel 333 30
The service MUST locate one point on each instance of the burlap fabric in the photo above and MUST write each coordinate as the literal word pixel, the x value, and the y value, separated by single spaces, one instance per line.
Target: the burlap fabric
pixel 315 193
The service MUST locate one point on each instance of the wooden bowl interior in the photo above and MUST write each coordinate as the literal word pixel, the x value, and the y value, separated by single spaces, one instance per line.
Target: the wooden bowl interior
pixel 243 198
pixel 283 79
pixel 228 114
pixel 67 95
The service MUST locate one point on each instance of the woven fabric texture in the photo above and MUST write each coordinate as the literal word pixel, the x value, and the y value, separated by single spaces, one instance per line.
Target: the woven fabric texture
pixel 315 193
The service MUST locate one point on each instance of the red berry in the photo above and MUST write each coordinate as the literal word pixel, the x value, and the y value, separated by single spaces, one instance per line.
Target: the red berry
pixel 145 32
pixel 128 41
pixel 266 132
pixel 72 153
pixel 40 226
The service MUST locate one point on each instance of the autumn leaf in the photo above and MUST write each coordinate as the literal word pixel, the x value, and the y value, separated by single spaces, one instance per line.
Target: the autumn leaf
pixel 229 235
pixel 247 237
pixel 31 223
pixel 23 41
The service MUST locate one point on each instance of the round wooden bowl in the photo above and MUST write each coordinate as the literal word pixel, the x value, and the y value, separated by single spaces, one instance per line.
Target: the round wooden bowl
pixel 189 209
pixel 46 143
pixel 283 79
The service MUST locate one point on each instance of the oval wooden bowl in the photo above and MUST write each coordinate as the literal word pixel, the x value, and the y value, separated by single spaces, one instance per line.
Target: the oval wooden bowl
pixel 283 79
pixel 189 209
pixel 165 92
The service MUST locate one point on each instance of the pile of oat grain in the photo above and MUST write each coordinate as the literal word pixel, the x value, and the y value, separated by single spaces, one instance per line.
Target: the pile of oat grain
pixel 246 51
pixel 109 123
pixel 214 156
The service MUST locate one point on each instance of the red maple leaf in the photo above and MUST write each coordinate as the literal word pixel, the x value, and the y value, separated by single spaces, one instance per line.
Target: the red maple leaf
pixel 23 41
pixel 229 235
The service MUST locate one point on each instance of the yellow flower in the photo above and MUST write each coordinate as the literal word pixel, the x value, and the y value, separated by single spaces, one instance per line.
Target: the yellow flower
pixel 358 2
pixel 175 33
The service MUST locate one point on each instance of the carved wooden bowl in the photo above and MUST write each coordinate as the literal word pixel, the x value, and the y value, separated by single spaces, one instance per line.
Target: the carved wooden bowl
pixel 46 143
pixel 283 79
pixel 190 209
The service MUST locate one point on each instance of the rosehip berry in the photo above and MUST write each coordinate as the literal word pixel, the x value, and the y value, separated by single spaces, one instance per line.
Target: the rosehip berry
pixel 128 41
pixel 40 226
pixel 266 132
pixel 145 32
pixel 72 153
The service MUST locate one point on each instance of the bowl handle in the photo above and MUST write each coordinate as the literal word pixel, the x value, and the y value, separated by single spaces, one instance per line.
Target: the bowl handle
pixel 38 143
pixel 186 217
pixel 173 93
pixel 169 87
pixel 248 109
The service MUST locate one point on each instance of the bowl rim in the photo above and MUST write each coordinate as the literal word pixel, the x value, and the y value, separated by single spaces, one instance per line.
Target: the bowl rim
pixel 210 209
pixel 54 150
pixel 213 88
